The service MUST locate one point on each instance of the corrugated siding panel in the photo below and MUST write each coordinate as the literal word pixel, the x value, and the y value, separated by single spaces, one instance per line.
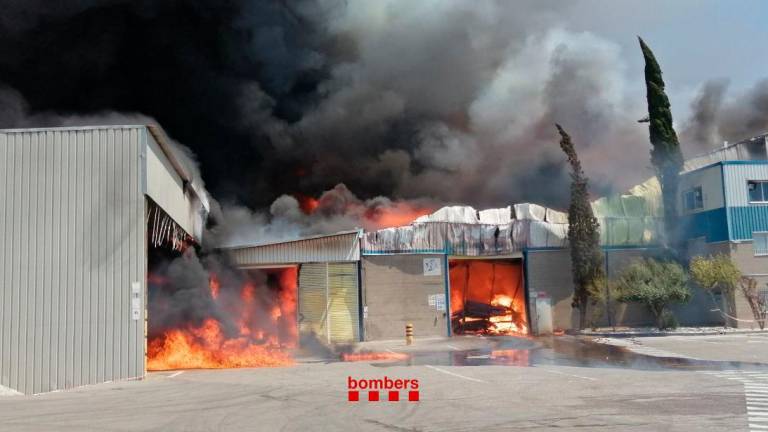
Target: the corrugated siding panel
pixel 73 241
pixel 744 218
pixel 343 302
pixel 313 288
pixel 736 177
pixel 342 247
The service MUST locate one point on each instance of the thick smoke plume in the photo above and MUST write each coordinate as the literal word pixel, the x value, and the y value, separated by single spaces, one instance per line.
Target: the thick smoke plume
pixel 447 100
pixel 715 118
pixel 450 101
pixel 290 217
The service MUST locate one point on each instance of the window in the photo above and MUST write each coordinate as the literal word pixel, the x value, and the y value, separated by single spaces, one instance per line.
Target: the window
pixel 760 243
pixel 693 199
pixel 758 190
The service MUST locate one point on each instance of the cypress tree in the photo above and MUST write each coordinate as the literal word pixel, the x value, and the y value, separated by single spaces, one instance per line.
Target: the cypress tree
pixel 583 232
pixel 666 157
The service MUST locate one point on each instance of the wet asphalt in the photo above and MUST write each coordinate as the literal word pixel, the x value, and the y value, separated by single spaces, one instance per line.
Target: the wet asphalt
pixel 465 384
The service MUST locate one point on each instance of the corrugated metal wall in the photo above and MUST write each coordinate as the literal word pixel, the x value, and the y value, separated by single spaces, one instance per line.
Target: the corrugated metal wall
pixel 335 247
pixel 343 304
pixel 744 218
pixel 73 240
pixel 313 291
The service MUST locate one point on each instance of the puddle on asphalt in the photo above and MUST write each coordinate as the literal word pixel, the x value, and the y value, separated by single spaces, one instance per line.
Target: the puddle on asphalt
pixel 561 351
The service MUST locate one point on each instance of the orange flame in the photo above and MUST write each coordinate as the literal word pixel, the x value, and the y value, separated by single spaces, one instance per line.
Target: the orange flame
pixel 265 332
pixel 487 297
pixel 205 347
pixel 307 204
pixel 511 357
pixel 215 286
pixel 400 214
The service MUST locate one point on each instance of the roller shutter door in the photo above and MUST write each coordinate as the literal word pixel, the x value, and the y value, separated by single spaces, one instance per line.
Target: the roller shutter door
pixel 343 302
pixel 328 302
pixel 312 300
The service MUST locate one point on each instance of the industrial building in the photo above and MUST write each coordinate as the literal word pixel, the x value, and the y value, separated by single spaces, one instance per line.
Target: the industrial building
pixel 458 270
pixel 724 209
pixel 87 207
pixel 81 208
pixel 328 281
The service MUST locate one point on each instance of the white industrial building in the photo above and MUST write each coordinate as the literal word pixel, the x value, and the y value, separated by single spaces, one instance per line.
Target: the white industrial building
pixel 81 208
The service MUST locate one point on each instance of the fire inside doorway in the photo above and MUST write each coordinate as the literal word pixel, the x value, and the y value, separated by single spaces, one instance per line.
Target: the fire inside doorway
pixel 204 313
pixel 488 297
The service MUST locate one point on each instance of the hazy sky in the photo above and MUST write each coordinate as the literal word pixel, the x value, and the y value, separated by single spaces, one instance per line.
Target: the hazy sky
pixel 694 40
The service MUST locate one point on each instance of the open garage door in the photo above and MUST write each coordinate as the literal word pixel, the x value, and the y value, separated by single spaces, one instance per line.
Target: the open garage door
pixel 488 297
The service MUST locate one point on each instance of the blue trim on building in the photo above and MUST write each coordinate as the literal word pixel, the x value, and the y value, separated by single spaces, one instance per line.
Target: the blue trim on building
pixel 526 289
pixel 603 247
pixel 746 220
pixel 408 252
pixel 725 202
pixel 732 162
pixel 710 224
pixel 447 278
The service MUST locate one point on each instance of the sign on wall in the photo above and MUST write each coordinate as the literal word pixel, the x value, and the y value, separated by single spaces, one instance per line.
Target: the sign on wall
pixel 432 267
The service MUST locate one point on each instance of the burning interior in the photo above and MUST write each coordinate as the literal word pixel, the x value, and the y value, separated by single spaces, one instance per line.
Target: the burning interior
pixel 205 314
pixel 487 297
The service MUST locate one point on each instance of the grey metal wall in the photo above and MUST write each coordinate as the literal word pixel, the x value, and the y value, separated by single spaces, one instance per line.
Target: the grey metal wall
pixel 329 248
pixel 73 240
pixel 396 292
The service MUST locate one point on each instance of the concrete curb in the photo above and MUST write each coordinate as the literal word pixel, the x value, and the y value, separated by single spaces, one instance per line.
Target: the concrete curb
pixel 660 334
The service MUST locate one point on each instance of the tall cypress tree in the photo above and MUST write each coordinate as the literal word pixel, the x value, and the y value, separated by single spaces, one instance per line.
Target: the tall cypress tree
pixel 583 232
pixel 665 154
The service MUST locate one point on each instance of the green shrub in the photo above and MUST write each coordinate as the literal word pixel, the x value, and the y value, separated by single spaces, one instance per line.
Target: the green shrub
pixel 655 284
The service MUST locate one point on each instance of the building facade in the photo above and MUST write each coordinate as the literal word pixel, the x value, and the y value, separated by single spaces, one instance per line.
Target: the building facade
pixel 73 256
pixel 724 209
pixel 328 282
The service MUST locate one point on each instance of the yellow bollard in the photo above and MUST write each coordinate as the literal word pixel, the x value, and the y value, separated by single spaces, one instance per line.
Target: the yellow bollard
pixel 409 334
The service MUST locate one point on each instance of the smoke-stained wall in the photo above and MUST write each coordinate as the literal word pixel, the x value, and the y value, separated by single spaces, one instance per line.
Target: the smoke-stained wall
pixel 396 291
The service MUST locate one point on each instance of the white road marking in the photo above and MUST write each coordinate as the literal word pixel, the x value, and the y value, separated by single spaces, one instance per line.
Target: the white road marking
pixel 175 374
pixel 756 394
pixel 570 375
pixel 453 347
pixel 455 374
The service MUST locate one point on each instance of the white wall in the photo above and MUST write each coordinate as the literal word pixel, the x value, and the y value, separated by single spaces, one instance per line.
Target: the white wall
pixel 711 184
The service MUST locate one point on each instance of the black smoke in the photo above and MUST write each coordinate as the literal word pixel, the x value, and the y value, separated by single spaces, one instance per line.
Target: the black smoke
pixel 184 63
pixel 449 101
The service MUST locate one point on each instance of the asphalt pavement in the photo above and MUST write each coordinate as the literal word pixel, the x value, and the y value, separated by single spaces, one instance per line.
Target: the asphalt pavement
pixel 464 384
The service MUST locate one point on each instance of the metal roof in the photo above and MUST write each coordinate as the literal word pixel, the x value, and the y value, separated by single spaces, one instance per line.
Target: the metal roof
pixel 338 247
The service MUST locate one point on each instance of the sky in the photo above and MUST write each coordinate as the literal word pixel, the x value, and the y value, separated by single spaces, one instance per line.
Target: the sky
pixel 694 40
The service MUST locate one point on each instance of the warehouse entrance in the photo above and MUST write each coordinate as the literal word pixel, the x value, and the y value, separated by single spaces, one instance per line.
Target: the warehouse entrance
pixel 328 310
pixel 488 297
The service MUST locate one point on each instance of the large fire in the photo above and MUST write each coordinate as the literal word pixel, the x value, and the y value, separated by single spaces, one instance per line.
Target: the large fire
pixel 266 329
pixel 487 298
pixel 371 214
